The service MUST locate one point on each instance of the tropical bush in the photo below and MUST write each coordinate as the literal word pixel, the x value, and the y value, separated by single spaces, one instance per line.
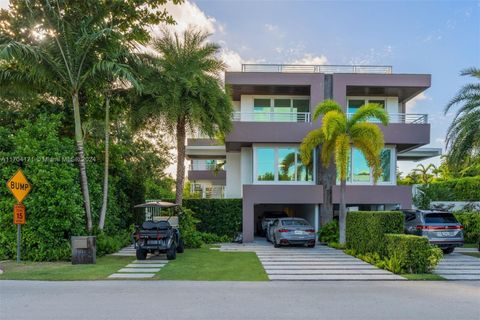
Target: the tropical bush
pixel 366 229
pixel 471 225
pixel 192 237
pixel 411 254
pixel 329 232
pixel 461 189
pixel 222 217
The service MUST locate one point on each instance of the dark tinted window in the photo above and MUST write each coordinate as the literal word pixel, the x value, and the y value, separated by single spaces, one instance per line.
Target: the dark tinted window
pixel 440 217
pixel 294 223
pixel 409 216
pixel 270 215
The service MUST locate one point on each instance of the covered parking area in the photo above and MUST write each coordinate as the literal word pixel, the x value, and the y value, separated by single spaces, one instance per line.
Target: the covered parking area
pixel 309 212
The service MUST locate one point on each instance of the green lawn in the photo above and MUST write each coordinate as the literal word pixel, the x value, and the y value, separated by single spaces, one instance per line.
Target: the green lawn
pixel 472 254
pixel 470 245
pixel 422 276
pixel 63 270
pixel 213 265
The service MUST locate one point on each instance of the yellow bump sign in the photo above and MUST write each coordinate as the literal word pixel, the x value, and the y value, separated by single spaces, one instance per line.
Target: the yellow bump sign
pixel 19 186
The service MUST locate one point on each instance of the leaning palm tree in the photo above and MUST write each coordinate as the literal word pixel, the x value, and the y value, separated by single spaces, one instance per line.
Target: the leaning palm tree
pixel 183 92
pixel 337 135
pixel 463 135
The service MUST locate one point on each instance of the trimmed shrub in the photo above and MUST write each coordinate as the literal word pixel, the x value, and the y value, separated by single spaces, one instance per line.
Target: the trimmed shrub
pixel 462 189
pixel 410 254
pixel 329 232
pixel 366 229
pixel 112 243
pixel 222 217
pixel 471 224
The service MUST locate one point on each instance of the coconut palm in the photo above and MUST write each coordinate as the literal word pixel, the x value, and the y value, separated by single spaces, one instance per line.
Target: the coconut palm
pixel 463 135
pixel 337 135
pixel 183 92
pixel 425 173
pixel 67 57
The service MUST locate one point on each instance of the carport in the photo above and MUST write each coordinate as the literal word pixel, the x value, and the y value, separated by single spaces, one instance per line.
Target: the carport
pixel 306 211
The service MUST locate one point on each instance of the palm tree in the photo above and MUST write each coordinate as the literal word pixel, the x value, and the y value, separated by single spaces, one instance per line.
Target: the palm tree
pixel 65 59
pixel 183 92
pixel 424 172
pixel 463 135
pixel 337 135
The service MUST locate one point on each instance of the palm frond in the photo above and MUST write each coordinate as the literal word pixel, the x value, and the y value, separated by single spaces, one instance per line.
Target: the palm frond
pixel 313 139
pixel 342 154
pixel 472 71
pixel 334 123
pixel 369 112
pixel 368 131
pixel 326 106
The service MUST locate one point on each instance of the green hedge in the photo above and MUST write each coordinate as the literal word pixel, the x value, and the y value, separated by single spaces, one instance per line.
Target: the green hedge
pixel 222 217
pixel 366 229
pixel 329 232
pixel 471 224
pixel 410 254
pixel 462 189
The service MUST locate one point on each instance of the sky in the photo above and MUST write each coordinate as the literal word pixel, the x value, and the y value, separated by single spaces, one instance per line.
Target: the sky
pixel 435 37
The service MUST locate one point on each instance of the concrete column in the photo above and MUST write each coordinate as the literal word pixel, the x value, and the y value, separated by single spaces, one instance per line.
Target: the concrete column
pixel 248 223
pixel 317 218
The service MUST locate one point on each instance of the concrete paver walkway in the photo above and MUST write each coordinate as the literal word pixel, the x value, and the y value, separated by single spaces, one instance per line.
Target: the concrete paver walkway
pixel 319 263
pixel 457 266
pixel 139 269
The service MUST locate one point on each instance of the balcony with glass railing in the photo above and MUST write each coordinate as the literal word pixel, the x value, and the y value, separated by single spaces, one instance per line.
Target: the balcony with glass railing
pixel 408 118
pixel 207 191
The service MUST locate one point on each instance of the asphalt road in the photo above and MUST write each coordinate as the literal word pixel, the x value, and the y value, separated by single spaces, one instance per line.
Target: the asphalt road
pixel 239 300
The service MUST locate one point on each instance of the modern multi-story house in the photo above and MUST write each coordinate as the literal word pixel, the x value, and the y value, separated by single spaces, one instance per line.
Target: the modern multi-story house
pixel 259 161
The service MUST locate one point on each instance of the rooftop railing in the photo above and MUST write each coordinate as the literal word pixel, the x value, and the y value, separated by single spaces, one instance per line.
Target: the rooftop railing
pixel 302 68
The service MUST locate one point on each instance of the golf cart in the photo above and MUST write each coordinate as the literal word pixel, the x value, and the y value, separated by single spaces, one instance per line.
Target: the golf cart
pixel 159 231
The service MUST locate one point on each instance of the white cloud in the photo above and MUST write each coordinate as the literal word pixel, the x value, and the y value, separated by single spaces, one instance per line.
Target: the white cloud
pixel 309 58
pixel 234 60
pixel 373 56
pixel 271 27
pixel 4 4
pixel 412 102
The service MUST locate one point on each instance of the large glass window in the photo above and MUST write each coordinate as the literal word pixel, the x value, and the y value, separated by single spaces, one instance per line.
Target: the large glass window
pixel 355 104
pixel 281 164
pixel 261 106
pixel 265 164
pixel 280 109
pixel 360 168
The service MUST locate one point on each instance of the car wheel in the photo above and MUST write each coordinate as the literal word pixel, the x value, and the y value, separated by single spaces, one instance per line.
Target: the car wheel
pixel 141 254
pixel 448 250
pixel 172 252
pixel 275 244
pixel 181 246
pixel 311 245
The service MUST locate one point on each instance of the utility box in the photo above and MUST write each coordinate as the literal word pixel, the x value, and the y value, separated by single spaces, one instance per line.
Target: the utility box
pixel 84 250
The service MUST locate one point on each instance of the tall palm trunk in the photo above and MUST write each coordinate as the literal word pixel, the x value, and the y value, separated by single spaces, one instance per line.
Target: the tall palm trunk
pixel 343 212
pixel 180 161
pixel 81 161
pixel 103 211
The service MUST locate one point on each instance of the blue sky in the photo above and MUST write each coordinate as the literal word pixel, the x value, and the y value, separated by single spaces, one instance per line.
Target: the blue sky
pixel 436 37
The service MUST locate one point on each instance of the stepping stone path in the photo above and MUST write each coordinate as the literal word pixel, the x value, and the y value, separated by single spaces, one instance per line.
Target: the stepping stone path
pixel 139 269
pixel 319 263
pixel 457 266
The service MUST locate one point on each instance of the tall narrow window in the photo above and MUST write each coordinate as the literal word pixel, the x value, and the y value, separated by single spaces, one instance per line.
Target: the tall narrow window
pixel 265 164
pixel 304 172
pixel 386 161
pixel 360 168
pixel 286 164
pixel 301 107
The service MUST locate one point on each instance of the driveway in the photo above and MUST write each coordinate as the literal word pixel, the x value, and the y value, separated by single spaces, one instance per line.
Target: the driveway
pixel 457 266
pixel 181 300
pixel 319 263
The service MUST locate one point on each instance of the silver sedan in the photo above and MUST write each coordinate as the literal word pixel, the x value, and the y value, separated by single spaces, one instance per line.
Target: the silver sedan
pixel 291 231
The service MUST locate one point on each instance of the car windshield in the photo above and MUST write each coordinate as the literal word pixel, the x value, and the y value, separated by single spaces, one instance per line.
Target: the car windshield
pixel 440 217
pixel 294 223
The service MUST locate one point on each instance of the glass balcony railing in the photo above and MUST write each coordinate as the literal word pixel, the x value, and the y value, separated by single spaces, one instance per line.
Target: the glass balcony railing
pixel 302 68
pixel 413 118
pixel 272 116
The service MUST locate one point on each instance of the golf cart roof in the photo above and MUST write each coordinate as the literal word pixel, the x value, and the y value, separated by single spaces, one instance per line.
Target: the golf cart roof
pixel 156 204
